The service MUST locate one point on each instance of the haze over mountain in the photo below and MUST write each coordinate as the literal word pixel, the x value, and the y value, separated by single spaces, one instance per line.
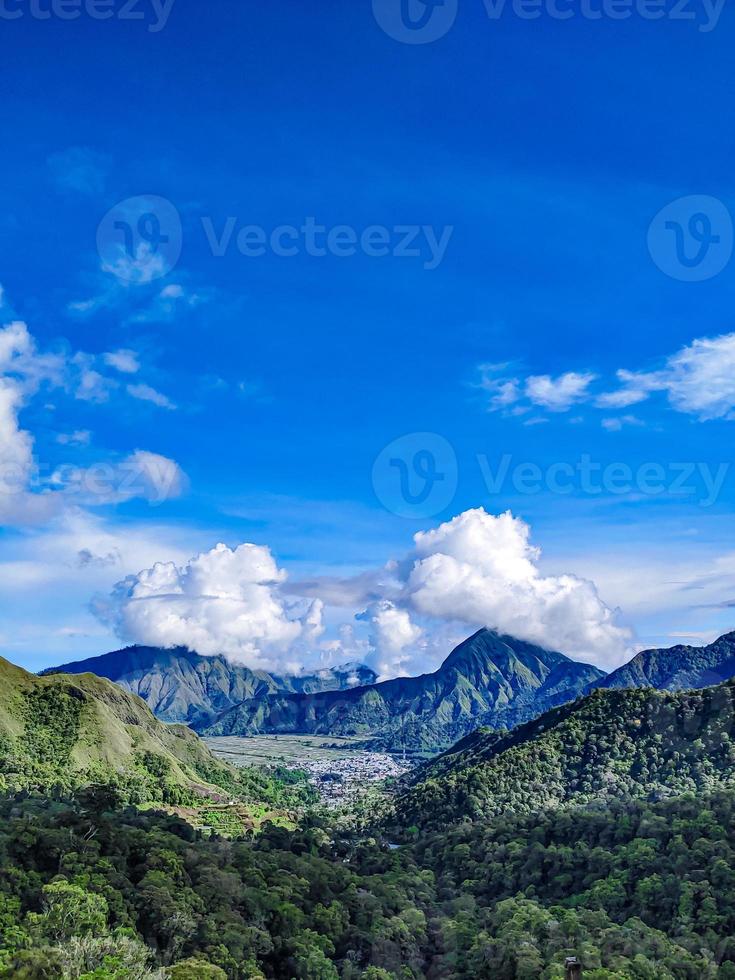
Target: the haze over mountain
pixel 179 685
pixel 488 679
pixel 677 668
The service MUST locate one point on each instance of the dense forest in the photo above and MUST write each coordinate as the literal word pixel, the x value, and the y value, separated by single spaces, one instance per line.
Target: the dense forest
pixel 611 745
pixel 604 829
pixel 644 890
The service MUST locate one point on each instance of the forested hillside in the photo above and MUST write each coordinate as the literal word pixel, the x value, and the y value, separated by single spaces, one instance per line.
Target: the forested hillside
pixel 59 733
pixel 677 668
pixel 636 890
pixel 603 830
pixel 610 745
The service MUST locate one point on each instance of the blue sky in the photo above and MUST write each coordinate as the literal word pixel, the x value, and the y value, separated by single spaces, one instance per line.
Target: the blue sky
pixel 539 152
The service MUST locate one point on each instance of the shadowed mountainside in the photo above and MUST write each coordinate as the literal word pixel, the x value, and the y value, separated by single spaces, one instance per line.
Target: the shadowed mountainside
pixel 487 680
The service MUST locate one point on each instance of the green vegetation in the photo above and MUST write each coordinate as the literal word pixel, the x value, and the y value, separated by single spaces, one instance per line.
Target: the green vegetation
pixel 604 829
pixel 638 890
pixel 612 745
pixel 59 733
pixel 678 668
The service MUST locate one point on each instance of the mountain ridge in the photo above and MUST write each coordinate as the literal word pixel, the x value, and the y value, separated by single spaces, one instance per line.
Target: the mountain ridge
pixel 677 668
pixel 488 678
pixel 612 744
pixel 180 685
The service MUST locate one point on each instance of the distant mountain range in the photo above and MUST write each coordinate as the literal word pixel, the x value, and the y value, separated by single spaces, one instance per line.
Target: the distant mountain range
pixel 179 685
pixel 678 668
pixel 488 679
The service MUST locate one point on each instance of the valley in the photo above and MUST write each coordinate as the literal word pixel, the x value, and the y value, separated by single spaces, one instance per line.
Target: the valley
pixel 340 769
pixel 570 814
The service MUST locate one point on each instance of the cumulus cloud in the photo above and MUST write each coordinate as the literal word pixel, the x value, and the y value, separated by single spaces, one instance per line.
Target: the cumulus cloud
pixel 226 601
pixel 476 570
pixel 392 638
pixel 481 570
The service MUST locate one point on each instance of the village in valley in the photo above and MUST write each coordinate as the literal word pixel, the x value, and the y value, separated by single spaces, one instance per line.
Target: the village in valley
pixel 339 768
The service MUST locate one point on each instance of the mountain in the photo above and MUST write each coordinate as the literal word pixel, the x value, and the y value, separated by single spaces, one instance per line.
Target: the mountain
pixel 613 744
pixel 488 679
pixel 181 686
pixel 678 668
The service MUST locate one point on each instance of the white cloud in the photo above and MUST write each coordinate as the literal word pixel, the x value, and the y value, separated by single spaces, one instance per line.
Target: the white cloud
pixel 616 424
pixel 503 391
pixel 392 636
pixel 475 570
pixel 145 393
pixel 481 570
pixel 167 304
pixel 558 394
pixel 23 371
pixel 123 360
pixel 79 437
pixel 699 379
pixel 228 601
pixel 623 398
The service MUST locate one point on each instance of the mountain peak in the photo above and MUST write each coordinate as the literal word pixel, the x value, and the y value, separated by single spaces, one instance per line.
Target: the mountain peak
pixel 487 679
pixel 490 647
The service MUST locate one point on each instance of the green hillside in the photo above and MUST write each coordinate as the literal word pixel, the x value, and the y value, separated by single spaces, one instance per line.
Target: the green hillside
pixel 604 829
pixel 60 732
pixel 610 745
